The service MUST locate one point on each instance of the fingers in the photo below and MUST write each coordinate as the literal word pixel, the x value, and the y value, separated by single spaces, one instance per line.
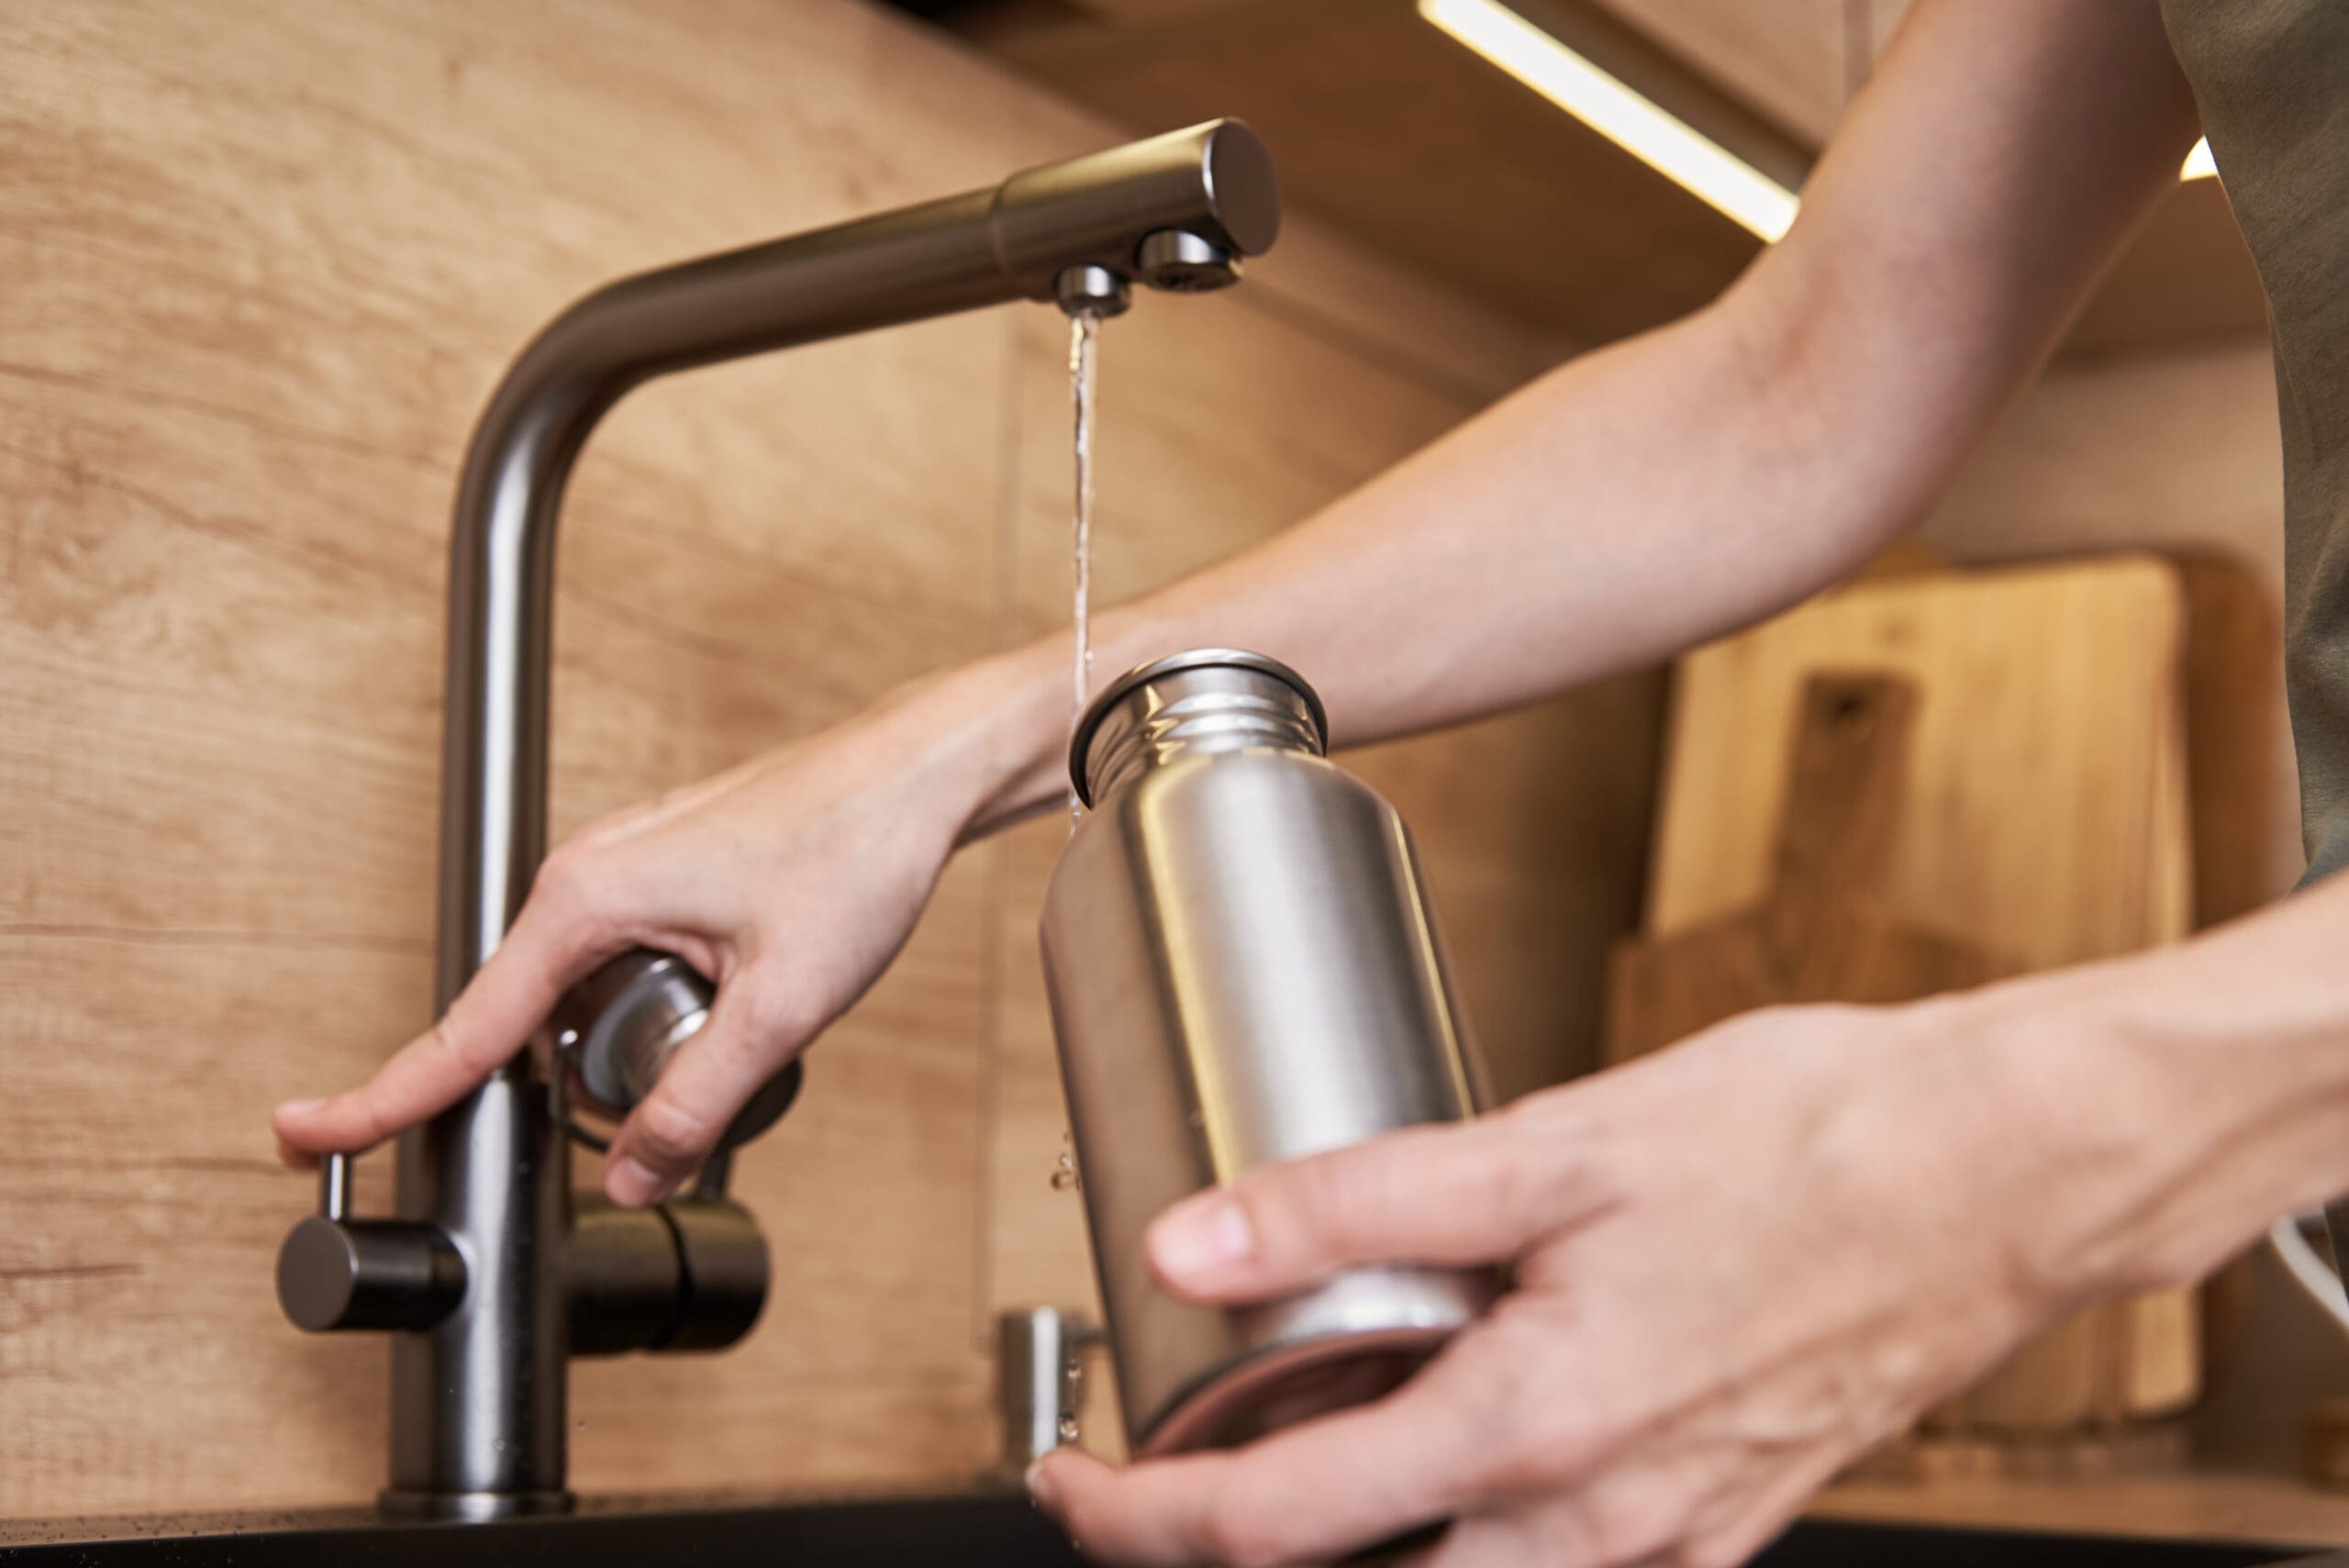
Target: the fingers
pixel 1314 1492
pixel 1460 1194
pixel 712 1076
pixel 489 1021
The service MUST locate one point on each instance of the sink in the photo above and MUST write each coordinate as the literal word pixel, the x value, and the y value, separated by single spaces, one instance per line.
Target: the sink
pixel 975 1530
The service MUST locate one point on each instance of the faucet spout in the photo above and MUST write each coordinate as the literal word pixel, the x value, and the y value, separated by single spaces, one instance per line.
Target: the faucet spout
pixel 478 1397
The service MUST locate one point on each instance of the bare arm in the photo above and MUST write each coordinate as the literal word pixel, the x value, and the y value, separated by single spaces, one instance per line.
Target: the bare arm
pixel 1638 500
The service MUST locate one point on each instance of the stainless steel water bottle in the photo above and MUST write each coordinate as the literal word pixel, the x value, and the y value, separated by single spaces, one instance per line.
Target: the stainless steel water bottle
pixel 1243 969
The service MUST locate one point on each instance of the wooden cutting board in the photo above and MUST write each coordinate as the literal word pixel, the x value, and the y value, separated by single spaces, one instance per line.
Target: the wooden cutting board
pixel 1820 933
pixel 2044 818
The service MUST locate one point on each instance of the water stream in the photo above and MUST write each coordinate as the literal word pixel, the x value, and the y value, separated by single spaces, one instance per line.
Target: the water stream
pixel 1083 330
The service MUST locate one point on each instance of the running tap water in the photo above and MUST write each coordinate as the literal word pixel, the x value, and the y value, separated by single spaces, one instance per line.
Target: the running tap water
pixel 1084 332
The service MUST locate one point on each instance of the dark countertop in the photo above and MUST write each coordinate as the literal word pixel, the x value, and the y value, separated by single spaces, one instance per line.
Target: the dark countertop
pixel 978 1531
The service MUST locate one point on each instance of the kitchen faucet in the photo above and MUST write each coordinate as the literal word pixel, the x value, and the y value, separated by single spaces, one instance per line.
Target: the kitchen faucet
pixel 495 1273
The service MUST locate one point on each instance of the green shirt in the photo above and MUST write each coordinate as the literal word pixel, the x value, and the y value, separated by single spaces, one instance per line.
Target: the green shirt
pixel 2272 77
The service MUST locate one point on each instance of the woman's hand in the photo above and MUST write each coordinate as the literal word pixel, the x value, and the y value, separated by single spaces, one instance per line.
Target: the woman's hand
pixel 1739 1265
pixel 790 881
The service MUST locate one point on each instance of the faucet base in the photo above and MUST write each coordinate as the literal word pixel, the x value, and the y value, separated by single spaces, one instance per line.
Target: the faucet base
pixel 471 1507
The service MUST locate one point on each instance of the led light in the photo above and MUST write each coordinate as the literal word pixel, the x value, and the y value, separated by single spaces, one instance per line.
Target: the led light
pixel 2199 165
pixel 1632 122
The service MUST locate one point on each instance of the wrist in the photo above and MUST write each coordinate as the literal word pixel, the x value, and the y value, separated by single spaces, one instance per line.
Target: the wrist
pixel 986 740
pixel 2169 1105
pixel 2073 1126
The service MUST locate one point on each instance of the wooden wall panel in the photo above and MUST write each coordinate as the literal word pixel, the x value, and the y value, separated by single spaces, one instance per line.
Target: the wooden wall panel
pixel 1787 58
pixel 265 261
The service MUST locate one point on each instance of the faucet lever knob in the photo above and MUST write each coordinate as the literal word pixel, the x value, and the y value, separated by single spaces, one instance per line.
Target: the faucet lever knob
pixel 616 1031
pixel 336 1273
pixel 361 1273
pixel 334 1187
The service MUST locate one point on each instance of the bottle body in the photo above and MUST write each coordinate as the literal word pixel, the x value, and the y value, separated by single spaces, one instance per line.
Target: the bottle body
pixel 1242 970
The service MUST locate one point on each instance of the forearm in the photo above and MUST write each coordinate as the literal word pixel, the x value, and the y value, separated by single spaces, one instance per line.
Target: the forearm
pixel 2178 1101
pixel 1566 534
pixel 1563 535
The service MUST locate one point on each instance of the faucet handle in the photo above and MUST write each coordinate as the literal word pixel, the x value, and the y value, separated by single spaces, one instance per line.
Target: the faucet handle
pixel 336 1273
pixel 614 1033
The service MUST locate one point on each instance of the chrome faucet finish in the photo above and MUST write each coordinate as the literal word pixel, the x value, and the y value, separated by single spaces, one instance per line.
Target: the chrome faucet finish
pixel 491 1273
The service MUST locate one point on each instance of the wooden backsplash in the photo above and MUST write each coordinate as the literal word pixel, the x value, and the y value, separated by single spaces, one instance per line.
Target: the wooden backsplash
pixel 264 261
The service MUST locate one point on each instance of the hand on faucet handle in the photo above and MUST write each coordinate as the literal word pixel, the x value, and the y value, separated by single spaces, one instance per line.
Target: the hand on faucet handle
pixel 790 881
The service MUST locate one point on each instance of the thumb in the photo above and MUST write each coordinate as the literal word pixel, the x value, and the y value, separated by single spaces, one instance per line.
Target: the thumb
pixel 668 1136
pixel 1453 1194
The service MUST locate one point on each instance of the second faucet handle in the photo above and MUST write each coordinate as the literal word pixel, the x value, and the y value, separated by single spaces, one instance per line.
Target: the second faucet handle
pixel 616 1031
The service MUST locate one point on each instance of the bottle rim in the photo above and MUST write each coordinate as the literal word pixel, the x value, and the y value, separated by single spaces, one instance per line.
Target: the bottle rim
pixel 1081 740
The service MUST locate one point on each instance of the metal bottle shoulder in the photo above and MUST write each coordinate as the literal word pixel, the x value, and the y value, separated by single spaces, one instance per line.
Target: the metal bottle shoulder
pixel 1275 798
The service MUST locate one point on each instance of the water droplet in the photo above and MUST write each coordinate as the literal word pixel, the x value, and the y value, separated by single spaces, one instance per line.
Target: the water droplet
pixel 1064 1176
pixel 1068 1428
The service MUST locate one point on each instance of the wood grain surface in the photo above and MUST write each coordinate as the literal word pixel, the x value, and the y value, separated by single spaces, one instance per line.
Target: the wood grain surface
pixel 2046 754
pixel 265 260
pixel 1820 932
pixel 1785 57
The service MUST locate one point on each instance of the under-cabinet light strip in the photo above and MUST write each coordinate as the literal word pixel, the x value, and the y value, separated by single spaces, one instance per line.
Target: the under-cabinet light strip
pixel 1632 122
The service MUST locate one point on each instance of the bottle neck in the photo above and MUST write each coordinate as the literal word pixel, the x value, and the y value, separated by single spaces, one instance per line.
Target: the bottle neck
pixel 1150 720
